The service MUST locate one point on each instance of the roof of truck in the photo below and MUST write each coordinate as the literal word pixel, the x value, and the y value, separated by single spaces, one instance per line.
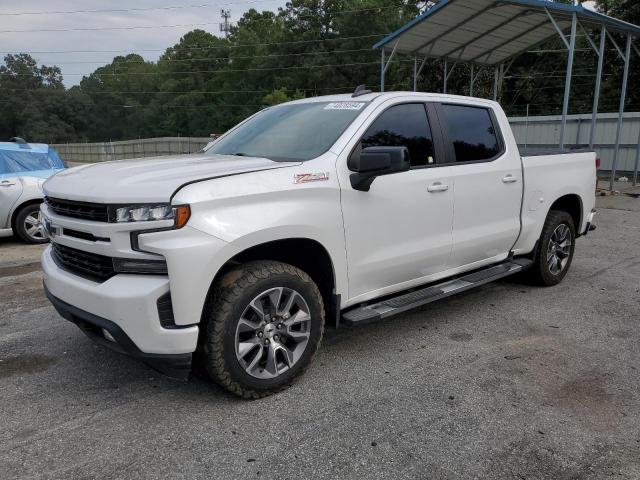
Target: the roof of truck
pixel 369 97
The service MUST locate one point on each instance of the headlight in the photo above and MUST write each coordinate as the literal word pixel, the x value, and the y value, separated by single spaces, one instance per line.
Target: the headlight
pixel 150 213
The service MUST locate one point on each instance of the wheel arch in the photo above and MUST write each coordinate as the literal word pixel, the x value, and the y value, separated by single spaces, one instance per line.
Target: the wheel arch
pixel 572 204
pixel 307 254
pixel 16 209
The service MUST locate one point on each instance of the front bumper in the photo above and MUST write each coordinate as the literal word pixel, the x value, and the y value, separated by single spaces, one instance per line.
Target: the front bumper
pixel 176 366
pixel 130 302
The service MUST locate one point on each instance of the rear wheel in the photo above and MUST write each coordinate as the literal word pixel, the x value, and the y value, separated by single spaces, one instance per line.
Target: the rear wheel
pixel 555 249
pixel 28 225
pixel 264 324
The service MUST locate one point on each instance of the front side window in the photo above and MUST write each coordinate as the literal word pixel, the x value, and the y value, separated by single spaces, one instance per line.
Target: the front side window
pixel 290 132
pixel 403 125
pixel 472 132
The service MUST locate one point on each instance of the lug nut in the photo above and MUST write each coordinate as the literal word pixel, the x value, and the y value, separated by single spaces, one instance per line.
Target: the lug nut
pixel 279 326
pixel 266 342
pixel 276 337
pixel 260 334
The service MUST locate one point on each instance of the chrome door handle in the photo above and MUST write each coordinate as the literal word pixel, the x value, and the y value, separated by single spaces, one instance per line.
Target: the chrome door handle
pixel 6 184
pixel 509 179
pixel 437 187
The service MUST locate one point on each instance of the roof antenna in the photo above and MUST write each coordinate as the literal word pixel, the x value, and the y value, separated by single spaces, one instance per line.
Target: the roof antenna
pixel 360 90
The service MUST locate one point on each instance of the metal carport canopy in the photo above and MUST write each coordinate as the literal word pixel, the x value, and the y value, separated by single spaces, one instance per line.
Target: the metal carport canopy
pixel 490 32
pixel 495 32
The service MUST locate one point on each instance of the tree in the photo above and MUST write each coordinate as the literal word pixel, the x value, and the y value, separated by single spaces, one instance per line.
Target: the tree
pixel 205 84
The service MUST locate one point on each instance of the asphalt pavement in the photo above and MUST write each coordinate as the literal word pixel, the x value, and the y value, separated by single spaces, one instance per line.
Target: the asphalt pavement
pixel 506 381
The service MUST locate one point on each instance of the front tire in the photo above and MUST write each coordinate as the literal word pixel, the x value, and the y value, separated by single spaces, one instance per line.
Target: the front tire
pixel 264 321
pixel 555 249
pixel 28 225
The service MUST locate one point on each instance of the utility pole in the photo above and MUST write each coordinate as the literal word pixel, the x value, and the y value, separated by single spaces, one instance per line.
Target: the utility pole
pixel 225 25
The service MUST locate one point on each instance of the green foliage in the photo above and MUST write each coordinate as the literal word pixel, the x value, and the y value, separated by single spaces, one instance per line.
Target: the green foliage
pixel 279 96
pixel 205 84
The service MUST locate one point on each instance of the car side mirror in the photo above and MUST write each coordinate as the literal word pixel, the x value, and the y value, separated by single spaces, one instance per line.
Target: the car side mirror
pixel 372 162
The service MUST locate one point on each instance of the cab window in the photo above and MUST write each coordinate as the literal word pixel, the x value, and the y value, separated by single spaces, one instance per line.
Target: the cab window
pixel 405 125
pixel 472 132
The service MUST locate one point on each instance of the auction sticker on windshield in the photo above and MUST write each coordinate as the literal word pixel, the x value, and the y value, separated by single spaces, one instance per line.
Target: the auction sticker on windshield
pixel 345 106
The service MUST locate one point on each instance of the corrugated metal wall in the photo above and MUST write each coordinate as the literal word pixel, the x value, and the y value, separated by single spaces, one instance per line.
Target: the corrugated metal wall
pixel 543 133
pixel 146 147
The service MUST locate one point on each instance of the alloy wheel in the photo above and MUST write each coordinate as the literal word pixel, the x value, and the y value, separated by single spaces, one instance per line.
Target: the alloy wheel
pixel 559 249
pixel 33 226
pixel 273 333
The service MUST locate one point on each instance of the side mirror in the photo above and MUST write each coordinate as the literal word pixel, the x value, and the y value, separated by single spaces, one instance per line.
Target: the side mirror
pixel 372 162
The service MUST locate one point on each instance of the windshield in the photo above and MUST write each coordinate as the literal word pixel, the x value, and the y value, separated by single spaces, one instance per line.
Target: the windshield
pixel 16 161
pixel 293 132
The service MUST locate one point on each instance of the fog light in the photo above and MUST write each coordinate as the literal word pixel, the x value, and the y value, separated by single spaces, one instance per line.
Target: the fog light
pixel 132 265
pixel 108 336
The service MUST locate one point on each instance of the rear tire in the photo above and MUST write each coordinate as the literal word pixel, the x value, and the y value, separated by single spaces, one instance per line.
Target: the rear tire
pixel 264 321
pixel 555 249
pixel 28 225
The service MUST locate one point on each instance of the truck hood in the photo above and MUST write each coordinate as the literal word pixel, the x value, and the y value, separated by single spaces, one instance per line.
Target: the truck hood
pixel 150 179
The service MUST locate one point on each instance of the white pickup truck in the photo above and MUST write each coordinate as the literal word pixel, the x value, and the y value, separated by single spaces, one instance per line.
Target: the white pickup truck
pixel 344 209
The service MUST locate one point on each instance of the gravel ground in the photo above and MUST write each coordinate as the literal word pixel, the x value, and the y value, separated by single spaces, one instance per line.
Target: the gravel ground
pixel 507 381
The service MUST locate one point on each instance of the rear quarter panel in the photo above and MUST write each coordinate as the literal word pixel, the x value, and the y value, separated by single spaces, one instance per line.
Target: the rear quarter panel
pixel 548 178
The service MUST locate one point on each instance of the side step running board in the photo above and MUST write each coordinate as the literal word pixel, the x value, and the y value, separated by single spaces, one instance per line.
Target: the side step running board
pixel 417 298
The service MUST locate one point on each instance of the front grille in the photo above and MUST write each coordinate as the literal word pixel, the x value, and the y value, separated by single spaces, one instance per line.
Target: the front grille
pixel 83 210
pixel 85 264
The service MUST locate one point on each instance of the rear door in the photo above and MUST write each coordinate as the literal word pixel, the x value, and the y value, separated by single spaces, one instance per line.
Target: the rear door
pixel 487 180
pixel 10 190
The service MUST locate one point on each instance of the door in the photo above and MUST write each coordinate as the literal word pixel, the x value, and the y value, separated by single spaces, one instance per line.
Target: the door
pixel 400 230
pixel 488 185
pixel 10 190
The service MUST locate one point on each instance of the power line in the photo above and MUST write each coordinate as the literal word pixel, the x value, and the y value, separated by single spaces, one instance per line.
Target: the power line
pixel 161 106
pixel 124 10
pixel 137 27
pixel 208 47
pixel 280 55
pixel 183 92
pixel 225 70
pixel 95 29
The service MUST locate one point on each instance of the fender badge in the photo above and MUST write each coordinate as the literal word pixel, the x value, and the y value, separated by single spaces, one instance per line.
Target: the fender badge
pixel 310 177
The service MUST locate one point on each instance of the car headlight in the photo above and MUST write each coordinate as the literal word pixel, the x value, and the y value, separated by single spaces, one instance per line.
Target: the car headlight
pixel 150 213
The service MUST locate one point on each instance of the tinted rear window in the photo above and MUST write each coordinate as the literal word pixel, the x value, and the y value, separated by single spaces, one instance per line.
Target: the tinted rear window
pixel 472 132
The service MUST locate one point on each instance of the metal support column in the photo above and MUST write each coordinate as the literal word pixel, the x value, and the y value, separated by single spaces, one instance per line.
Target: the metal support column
pixel 596 97
pixel 635 168
pixel 567 87
pixel 417 71
pixel 385 65
pixel 472 80
pixel 382 71
pixel 623 98
pixel 495 83
pixel 446 76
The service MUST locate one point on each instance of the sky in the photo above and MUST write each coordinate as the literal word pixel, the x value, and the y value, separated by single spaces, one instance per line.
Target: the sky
pixel 83 49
